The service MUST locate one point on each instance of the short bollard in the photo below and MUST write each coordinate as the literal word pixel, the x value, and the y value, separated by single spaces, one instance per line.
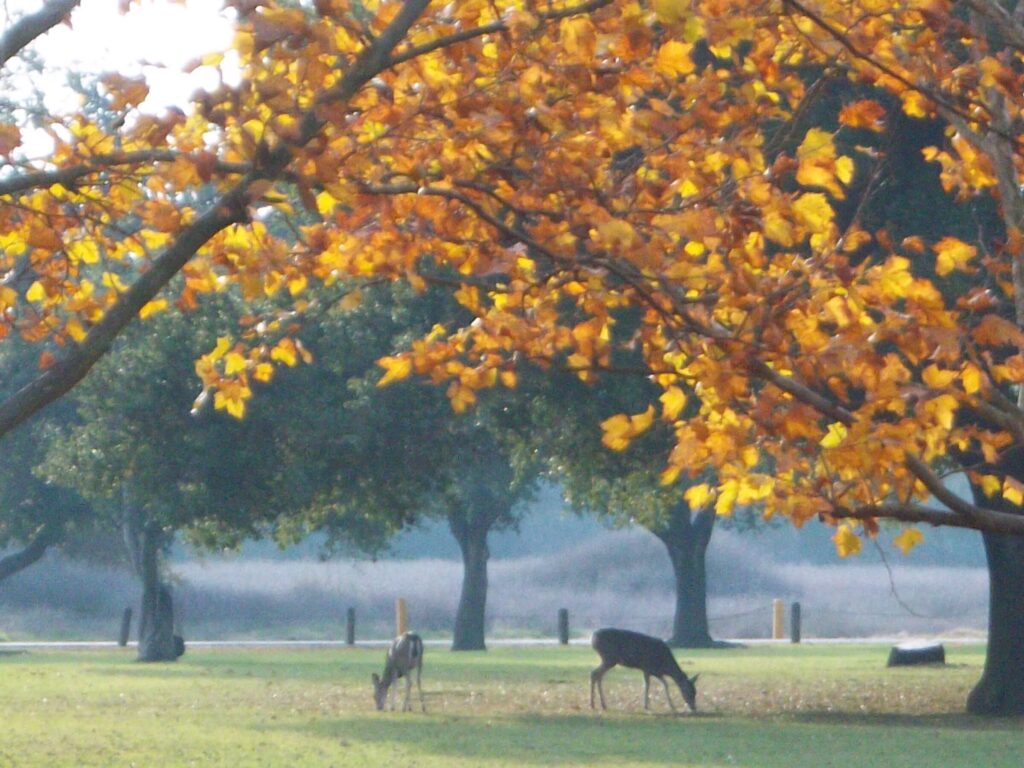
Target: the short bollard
pixel 563 626
pixel 350 627
pixel 794 622
pixel 126 627
pixel 401 617
pixel 778 613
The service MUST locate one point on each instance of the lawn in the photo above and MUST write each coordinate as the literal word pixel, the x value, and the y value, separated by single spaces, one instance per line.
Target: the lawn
pixel 763 706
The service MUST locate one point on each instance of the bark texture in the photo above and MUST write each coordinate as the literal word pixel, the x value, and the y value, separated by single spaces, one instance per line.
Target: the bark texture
pixel 686 537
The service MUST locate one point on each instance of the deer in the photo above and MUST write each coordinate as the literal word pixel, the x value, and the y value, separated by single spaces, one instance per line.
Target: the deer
pixel 404 656
pixel 650 655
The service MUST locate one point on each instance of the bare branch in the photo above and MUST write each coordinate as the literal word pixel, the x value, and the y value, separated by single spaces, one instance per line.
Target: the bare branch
pixel 935 486
pixel 986 520
pixel 1008 25
pixel 69 176
pixel 28 28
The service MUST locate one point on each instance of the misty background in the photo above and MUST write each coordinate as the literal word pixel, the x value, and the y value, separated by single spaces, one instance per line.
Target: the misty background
pixel 556 560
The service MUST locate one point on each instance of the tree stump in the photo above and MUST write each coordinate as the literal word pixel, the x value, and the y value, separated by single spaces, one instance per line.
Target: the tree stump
pixel 906 654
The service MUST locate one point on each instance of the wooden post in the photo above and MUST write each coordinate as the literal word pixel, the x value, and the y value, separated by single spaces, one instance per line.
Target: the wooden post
pixel 778 613
pixel 350 626
pixel 563 626
pixel 794 622
pixel 401 617
pixel 126 627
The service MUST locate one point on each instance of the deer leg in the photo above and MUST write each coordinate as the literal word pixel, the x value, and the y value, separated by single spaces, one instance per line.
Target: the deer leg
pixel 668 695
pixel 595 679
pixel 407 707
pixel 419 685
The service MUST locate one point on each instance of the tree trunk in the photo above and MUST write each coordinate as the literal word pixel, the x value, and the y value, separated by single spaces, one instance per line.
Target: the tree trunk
pixel 156 619
pixel 686 538
pixel 1001 688
pixel 469 618
pixel 31 553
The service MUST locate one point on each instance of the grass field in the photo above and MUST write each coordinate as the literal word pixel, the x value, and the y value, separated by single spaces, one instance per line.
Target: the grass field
pixel 794 706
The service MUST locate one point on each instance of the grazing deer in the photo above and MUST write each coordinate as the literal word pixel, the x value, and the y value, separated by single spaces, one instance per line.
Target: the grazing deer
pixel 404 656
pixel 648 654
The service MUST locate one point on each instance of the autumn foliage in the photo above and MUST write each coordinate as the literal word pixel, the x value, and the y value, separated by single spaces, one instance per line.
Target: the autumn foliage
pixel 563 166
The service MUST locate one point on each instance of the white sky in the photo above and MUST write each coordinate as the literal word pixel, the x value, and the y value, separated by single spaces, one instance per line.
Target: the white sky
pixel 163 34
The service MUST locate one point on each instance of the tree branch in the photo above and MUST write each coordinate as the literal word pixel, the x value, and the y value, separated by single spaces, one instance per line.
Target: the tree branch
pixel 71 175
pixel 46 537
pixel 28 28
pixel 230 208
pixel 986 520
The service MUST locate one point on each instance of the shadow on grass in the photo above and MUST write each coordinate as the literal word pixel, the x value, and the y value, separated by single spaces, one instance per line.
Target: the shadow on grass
pixel 587 739
pixel 954 721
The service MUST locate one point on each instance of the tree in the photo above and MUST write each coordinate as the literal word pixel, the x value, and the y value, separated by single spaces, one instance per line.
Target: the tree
pixel 623 487
pixel 836 371
pixel 569 161
pixel 399 454
pixel 134 451
pixel 35 514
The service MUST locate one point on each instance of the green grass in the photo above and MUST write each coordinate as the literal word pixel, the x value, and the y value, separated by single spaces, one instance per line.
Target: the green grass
pixel 764 706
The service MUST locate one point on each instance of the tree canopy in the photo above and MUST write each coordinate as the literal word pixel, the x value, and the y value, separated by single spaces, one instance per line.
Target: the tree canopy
pixel 569 161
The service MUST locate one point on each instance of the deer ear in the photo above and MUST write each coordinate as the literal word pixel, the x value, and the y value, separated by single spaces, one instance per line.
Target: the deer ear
pixel 376 678
pixel 694 678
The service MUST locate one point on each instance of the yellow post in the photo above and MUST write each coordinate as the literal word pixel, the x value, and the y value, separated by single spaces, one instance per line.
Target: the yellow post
pixel 778 611
pixel 401 617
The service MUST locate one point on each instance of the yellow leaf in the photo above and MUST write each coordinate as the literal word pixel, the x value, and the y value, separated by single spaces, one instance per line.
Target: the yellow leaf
pixel 152 307
pixel 953 254
pixel 233 363
pixel 223 345
pixel 460 396
pixel 673 59
pixel 673 400
pixel 813 209
pixel 113 280
pixel 83 250
pixel 1013 491
pixel 909 539
pixel 397 368
pixel 617 432
pixel 819 166
pixel 579 37
pixel 284 352
pixel 944 407
pixel 727 494
pixel 846 541
pixel 75 330
pixel 264 372
pixel 971 378
pixel 698 495
pixel 36 292
pixel 669 475
pixel 991 485
pixel 937 378
pixel 915 104
pixel 297 285
pixel 641 422
pixel 836 434
pixel 750 456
